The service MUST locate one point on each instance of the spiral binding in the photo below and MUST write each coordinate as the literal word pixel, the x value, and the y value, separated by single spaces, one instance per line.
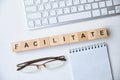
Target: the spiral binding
pixel 94 46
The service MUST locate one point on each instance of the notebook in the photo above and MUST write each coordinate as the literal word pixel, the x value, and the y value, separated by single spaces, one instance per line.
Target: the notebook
pixel 90 62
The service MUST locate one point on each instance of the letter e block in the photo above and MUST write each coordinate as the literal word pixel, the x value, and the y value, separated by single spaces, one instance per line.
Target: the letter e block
pixel 102 32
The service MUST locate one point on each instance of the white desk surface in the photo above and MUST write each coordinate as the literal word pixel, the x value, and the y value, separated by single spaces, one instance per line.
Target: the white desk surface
pixel 13 27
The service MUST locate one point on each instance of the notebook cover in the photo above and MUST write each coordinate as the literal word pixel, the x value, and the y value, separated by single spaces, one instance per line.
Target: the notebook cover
pixel 91 62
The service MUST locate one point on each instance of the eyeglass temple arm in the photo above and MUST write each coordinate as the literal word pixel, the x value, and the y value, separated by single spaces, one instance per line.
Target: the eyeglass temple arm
pixel 42 59
pixel 37 60
pixel 21 67
pixel 24 64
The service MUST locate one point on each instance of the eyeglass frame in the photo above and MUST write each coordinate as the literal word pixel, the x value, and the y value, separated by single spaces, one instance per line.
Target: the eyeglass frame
pixel 30 63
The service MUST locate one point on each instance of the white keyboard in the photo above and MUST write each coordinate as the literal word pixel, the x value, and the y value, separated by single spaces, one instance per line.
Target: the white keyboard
pixel 48 13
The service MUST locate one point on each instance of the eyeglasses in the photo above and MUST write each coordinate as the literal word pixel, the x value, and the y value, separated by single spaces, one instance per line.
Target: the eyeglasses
pixel 50 63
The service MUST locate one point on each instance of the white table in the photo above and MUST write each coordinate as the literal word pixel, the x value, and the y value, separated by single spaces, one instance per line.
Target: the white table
pixel 13 27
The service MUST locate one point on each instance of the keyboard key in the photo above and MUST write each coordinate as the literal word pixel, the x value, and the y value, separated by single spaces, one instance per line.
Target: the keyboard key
pixel 44 21
pixel 40 7
pixel 80 8
pixel 52 20
pixel 90 0
pixel 87 6
pixel 28 2
pixel 75 2
pixel 31 24
pixel 117 8
pixel 94 5
pixel 38 1
pixel 34 15
pixel 59 11
pixel 111 12
pixel 104 11
pixel 55 5
pixel 109 3
pixel 51 0
pixel 31 9
pixel 66 10
pixel 83 1
pixel 61 3
pixel 102 4
pixel 75 16
pixel 45 14
pixel 99 0
pixel 116 2
pixel 37 23
pixel 47 6
pixel 73 9
pixel 44 1
pixel 69 2
pixel 52 13
pixel 96 13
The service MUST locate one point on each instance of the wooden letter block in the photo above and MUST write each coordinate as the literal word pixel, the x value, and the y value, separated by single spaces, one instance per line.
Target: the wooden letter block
pixel 102 32
pixel 44 42
pixel 16 46
pixel 64 39
pixel 73 37
pixel 54 40
pixel 92 34
pixel 82 36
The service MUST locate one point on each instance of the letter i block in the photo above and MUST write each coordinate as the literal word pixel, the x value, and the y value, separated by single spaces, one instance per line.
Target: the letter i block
pixel 44 42
pixel 64 39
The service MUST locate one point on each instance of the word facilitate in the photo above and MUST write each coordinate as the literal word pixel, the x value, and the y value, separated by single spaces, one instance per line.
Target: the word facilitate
pixel 59 39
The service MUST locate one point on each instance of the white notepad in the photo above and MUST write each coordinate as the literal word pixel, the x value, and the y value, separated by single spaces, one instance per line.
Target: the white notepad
pixel 90 62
